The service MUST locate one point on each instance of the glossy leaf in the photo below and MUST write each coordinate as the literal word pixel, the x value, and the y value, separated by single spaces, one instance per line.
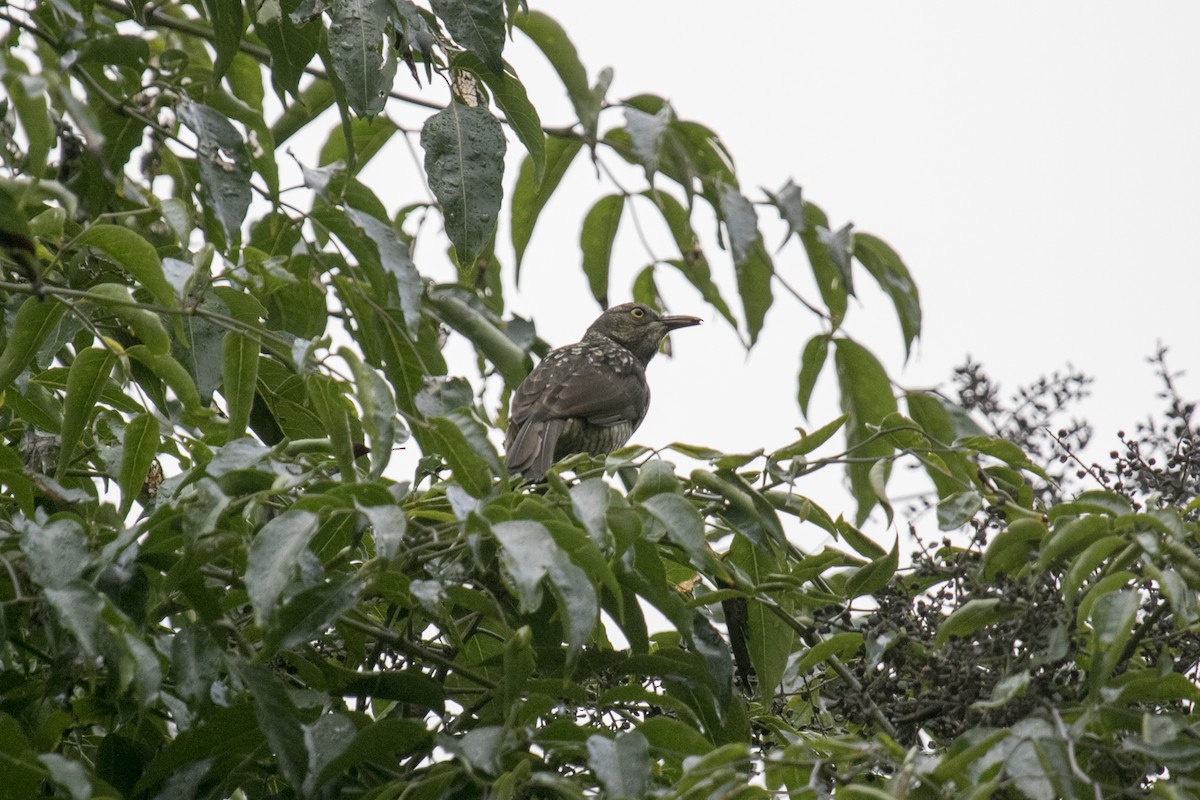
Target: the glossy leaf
pixel 394 257
pixel 622 763
pixel 56 552
pixel 292 47
pixel 646 134
pixel 363 61
pixel 273 557
pixel 509 94
pixel 529 555
pixel 379 411
pixel 224 168
pixel 789 202
pixel 464 160
pixel 477 25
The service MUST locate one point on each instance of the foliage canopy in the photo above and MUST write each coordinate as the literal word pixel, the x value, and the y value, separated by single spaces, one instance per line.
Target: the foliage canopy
pixel 215 584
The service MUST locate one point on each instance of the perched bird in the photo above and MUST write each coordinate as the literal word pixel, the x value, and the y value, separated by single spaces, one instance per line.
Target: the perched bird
pixel 587 397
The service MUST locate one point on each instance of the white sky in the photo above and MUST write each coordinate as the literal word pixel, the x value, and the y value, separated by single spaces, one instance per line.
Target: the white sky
pixel 1035 164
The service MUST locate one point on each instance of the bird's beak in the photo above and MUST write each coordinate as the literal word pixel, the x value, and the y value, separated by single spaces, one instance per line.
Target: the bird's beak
pixel 679 321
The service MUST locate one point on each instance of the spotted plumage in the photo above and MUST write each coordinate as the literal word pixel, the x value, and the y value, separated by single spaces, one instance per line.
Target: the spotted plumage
pixel 587 397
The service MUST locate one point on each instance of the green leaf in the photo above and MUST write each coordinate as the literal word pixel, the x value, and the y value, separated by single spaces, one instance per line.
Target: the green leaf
pixel 405 686
pixel 388 525
pixel 1112 618
pixel 596 241
pixel 274 557
pixel 840 645
pixel 56 551
pixel 790 204
pixel 974 615
pixel 622 764
pixel 292 47
pixel 136 255
pixel 867 399
pixel 325 395
pixel 754 284
pixel 139 449
pixel 932 414
pixel 509 94
pixel 859 541
pixel 1072 537
pixel 811 441
pixel 590 501
pixel 477 25
pixel 379 411
pixel 379 743
pixel 530 194
pixel 77 606
pixel 85 382
pixel 958 509
pixel 170 372
pixel 811 362
pixel 646 134
pixel 239 376
pixel 279 722
pixel 34 321
pixel 770 640
pixel 685 527
pixel 529 553
pixel 551 39
pixel 692 263
pixel 363 60
pixel 876 575
pixel 464 160
pixel 470 469
pixel 394 257
pixel 831 282
pixel 228 25
pixel 311 611
pixel 368 135
pixel 1004 450
pixel 741 222
pixel 885 266
pixel 509 359
pixel 147 325
pixel 27 93
pixel 1091 558
pixel 224 168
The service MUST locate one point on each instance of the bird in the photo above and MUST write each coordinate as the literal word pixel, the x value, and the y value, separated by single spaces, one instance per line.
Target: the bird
pixel 587 397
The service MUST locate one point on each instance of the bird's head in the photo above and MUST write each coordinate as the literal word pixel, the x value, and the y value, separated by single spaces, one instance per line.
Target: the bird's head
pixel 638 328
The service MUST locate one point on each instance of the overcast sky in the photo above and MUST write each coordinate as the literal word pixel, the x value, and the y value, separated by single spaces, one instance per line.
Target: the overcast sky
pixel 1035 164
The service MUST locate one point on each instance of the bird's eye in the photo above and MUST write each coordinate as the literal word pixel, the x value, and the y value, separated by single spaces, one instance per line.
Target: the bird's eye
pixel 637 312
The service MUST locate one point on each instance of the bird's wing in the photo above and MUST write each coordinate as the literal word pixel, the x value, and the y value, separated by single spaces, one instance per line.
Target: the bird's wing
pixel 568 385
pixel 565 385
